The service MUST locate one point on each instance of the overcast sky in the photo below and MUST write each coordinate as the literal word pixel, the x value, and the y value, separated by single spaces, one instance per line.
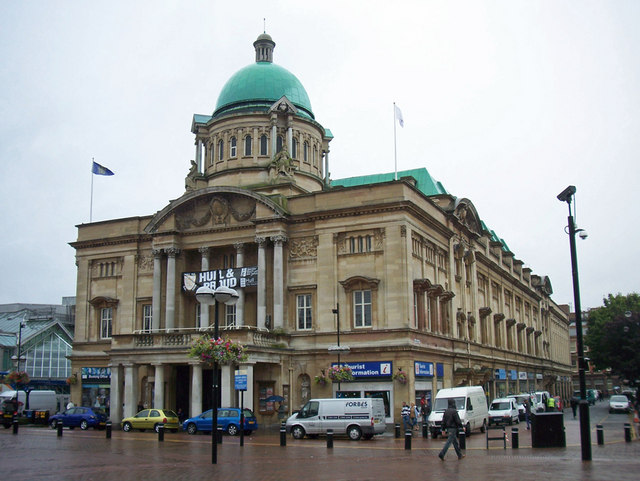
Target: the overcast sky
pixel 505 102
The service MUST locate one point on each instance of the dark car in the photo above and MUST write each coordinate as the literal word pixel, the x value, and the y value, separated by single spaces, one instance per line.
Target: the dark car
pixel 80 416
pixel 228 420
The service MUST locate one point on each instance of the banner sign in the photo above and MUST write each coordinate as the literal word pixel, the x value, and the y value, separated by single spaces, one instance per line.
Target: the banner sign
pixel 368 369
pixel 234 278
pixel 96 375
pixel 423 369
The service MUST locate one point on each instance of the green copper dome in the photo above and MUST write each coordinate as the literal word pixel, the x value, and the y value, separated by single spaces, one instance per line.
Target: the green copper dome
pixel 258 86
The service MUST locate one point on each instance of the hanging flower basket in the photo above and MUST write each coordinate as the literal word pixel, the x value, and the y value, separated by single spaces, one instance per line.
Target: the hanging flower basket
pixel 400 376
pixel 321 380
pixel 221 351
pixel 340 373
pixel 17 377
pixel 72 380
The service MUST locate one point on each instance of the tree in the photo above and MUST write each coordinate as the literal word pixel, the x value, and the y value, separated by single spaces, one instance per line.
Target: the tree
pixel 613 336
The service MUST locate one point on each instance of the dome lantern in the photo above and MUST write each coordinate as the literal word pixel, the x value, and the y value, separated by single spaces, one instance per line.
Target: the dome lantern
pixel 264 46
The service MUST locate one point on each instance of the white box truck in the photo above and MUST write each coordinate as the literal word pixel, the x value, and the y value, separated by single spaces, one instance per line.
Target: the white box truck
pixel 355 417
pixel 471 404
pixel 39 400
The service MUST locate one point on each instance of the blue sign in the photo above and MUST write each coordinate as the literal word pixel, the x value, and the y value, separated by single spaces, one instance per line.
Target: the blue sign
pixel 368 369
pixel 240 381
pixel 501 374
pixel 513 375
pixel 423 369
pixel 439 369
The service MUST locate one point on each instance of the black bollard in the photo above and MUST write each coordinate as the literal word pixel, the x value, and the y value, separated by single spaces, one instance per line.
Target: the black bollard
pixel 600 434
pixel 283 435
pixel 425 430
pixel 160 432
pixel 515 438
pixel 407 440
pixel 59 427
pixel 397 430
pixel 15 424
pixel 329 438
pixel 627 432
pixel 462 439
pixel 220 431
pixel 108 429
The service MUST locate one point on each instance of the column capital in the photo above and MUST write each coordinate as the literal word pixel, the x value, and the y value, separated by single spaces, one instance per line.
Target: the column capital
pixel 156 252
pixel 172 251
pixel 279 239
pixel 204 250
pixel 239 246
pixel 261 240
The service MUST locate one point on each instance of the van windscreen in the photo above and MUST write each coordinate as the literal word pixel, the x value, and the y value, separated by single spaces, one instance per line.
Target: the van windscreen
pixel 443 403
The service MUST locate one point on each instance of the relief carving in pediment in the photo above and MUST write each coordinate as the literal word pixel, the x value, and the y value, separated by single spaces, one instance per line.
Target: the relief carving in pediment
pixel 214 211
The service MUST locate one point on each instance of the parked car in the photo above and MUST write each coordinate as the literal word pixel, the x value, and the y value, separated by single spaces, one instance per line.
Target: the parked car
pixel 503 411
pixel 619 403
pixel 151 419
pixel 228 420
pixel 80 416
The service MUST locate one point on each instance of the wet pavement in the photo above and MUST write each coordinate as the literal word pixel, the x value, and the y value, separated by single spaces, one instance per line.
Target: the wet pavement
pixel 39 453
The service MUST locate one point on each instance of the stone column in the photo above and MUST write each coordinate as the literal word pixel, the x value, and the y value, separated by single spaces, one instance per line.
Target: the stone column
pixel 130 390
pixel 289 134
pixel 156 301
pixel 326 167
pixel 196 390
pixel 198 158
pixel 204 265
pixel 170 308
pixel 158 397
pixel 248 395
pixel 262 282
pixel 240 304
pixel 115 395
pixel 226 385
pixel 274 137
pixel 278 281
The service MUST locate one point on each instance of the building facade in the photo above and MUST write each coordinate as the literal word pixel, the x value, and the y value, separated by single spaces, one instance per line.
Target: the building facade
pixel 387 276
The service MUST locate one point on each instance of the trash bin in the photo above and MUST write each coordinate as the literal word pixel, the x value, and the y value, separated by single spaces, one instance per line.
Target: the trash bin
pixel 547 430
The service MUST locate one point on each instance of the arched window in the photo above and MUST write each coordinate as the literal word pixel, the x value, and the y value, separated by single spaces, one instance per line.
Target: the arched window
pixel 247 145
pixel 294 148
pixel 315 156
pixel 220 150
pixel 305 154
pixel 279 144
pixel 263 145
pixel 232 147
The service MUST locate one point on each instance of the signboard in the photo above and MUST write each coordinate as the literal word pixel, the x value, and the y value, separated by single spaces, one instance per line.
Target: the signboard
pixel 439 369
pixel 368 369
pixel 96 375
pixel 513 375
pixel 522 375
pixel 423 369
pixel 234 278
pixel 501 373
pixel 241 381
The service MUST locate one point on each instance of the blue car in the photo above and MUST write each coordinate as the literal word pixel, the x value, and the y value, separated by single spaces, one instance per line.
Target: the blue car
pixel 82 417
pixel 228 420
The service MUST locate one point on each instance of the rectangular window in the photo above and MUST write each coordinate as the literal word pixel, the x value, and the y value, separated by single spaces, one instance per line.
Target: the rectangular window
pixel 220 150
pixel 106 318
pixel 263 145
pixel 362 308
pixel 230 315
pixel 233 147
pixel 199 315
pixel 146 318
pixel 304 311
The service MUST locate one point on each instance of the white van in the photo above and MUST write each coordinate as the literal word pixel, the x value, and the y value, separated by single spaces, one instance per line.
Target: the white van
pixel 539 399
pixel 38 400
pixel 355 417
pixel 504 411
pixel 471 404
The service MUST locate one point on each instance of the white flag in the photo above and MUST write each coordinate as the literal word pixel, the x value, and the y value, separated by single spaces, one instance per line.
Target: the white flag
pixel 399 115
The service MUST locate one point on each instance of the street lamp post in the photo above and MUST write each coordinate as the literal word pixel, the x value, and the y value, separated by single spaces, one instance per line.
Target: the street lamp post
pixel 585 431
pixel 19 346
pixel 207 296
pixel 338 348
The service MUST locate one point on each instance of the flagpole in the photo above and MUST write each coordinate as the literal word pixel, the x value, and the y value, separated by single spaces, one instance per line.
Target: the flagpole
pixel 395 153
pixel 91 203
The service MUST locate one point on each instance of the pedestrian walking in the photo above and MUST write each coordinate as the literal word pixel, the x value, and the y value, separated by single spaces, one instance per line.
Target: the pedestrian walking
pixel 527 413
pixel 574 406
pixel 451 422
pixel 414 416
pixel 405 414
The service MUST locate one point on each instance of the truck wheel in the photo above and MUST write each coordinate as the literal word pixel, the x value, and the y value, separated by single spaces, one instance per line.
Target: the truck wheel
pixel 354 433
pixel 297 432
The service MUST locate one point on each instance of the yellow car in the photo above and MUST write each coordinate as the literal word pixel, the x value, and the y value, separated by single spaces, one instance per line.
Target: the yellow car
pixel 152 419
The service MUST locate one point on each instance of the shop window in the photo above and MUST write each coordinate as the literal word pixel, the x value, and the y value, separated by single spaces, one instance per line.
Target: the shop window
pixel 265 390
pixel 304 311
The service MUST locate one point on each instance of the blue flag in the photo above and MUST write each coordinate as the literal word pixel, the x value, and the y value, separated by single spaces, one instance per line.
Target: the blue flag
pixel 100 170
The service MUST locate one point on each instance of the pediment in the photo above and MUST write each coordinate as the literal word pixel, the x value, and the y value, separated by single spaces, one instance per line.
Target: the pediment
pixel 466 213
pixel 212 207
pixel 283 105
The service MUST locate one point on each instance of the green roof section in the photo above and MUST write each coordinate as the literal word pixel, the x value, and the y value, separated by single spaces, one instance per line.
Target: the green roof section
pixel 258 86
pixel 424 182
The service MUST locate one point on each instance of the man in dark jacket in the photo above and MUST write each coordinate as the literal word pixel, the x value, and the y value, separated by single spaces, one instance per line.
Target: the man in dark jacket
pixel 451 422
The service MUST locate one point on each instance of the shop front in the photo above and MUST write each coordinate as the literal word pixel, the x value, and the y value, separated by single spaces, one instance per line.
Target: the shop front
pixel 96 384
pixel 371 380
